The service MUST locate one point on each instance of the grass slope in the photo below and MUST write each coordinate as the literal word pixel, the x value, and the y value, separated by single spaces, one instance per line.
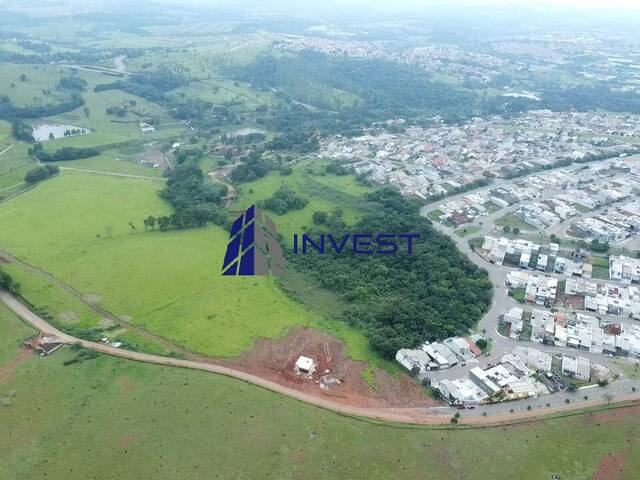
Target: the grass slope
pixel 167 281
pixel 110 418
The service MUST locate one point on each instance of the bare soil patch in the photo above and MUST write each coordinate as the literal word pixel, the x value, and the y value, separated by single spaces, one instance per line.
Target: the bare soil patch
pixel 68 316
pixel 618 414
pixel 611 467
pixel 127 385
pixel 106 323
pixel 6 371
pixel 336 377
pixel 91 298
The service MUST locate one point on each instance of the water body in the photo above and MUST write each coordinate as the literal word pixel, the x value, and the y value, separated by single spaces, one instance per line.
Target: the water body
pixel 247 131
pixel 44 131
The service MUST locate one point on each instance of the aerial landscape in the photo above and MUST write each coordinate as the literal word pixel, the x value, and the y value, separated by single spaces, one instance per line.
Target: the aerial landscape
pixel 311 240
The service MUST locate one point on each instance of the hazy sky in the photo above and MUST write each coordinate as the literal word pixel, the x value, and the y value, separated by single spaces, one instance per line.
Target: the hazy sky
pixel 413 4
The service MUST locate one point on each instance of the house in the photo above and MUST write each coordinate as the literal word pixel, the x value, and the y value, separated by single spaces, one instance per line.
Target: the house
pixel 514 318
pixel 542 262
pixel 304 366
pixel 440 354
pixel 146 128
pixel 411 359
pixel 460 347
pixel 461 392
pixel 45 345
pixel 534 358
pixel 624 269
pixel 578 367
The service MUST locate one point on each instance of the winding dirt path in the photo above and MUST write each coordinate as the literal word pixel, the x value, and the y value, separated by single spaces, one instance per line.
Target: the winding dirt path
pixel 398 415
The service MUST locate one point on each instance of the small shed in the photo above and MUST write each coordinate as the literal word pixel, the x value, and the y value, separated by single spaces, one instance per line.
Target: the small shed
pixel 305 366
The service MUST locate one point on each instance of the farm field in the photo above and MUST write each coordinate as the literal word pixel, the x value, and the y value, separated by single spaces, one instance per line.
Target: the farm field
pixel 108 414
pixel 168 282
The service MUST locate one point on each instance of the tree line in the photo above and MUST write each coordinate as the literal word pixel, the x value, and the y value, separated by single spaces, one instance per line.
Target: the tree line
pixel 40 174
pixel 64 153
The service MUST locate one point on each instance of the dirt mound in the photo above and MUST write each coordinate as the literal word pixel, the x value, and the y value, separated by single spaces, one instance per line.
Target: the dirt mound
pixel 336 376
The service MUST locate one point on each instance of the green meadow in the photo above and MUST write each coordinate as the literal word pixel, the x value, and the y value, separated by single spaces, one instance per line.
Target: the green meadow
pixel 113 418
pixel 14 161
pixel 168 282
pixel 323 192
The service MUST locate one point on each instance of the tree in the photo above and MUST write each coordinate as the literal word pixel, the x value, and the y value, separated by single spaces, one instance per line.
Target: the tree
pixel 481 343
pixel 150 222
pixel 87 112
pixel 40 174
pixel 164 223
pixel 516 230
pixel 454 419
pixel 415 370
pixel 506 229
pixel 599 247
pixel 132 227
pixel 608 397
pixel 319 218
pixel 7 282
pixel 23 77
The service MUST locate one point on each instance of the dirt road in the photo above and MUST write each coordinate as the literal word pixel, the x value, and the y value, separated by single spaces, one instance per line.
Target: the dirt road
pixel 400 415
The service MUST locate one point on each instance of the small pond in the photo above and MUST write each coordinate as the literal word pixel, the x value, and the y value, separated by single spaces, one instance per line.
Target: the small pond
pixel 49 131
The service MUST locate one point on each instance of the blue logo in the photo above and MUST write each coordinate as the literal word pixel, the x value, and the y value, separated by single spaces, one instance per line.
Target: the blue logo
pixel 253 248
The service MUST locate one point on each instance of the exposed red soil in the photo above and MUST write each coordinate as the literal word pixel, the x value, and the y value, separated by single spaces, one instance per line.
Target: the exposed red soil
pixel 611 467
pixel 127 440
pixel 274 359
pixel 6 371
pixel 126 385
pixel 619 414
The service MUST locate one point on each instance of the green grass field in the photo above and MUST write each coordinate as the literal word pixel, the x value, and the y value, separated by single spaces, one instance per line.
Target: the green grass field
pixel 111 163
pixel 134 421
pixel 45 295
pixel 14 332
pixel 463 232
pixel 169 282
pixel 513 221
pixel 324 193
pixel 30 91
pixel 14 161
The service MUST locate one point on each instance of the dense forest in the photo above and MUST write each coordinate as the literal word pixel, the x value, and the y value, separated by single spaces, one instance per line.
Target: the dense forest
pixel 402 300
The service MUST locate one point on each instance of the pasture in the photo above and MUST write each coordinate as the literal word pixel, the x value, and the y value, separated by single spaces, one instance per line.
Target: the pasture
pixel 140 421
pixel 324 193
pixel 168 282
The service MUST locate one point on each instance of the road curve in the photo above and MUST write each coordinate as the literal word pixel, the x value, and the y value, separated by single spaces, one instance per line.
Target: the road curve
pixel 416 416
